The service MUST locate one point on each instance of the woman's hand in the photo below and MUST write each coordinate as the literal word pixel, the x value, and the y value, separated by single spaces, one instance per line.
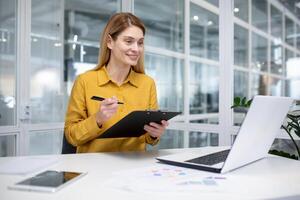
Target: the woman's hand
pixel 156 130
pixel 107 109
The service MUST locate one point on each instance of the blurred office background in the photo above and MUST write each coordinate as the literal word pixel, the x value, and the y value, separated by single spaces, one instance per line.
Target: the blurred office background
pixel 202 53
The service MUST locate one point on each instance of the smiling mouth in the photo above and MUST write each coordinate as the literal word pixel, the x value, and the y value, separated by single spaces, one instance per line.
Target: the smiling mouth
pixel 133 57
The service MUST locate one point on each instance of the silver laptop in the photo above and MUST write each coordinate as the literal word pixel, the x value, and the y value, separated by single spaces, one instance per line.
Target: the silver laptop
pixel 255 137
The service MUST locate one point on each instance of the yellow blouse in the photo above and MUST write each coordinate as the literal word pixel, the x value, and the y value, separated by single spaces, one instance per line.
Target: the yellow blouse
pixel 138 92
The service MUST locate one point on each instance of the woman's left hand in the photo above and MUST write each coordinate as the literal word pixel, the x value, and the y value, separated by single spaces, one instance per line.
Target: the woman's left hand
pixel 156 130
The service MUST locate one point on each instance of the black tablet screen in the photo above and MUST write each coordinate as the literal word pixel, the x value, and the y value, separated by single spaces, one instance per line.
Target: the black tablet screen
pixel 49 179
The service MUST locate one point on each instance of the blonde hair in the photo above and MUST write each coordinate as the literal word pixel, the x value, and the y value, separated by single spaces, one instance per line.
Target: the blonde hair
pixel 116 24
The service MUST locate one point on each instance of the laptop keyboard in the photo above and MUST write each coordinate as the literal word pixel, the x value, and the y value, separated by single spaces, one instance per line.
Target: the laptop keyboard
pixel 211 159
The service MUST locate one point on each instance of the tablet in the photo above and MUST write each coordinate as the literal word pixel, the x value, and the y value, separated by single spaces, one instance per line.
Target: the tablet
pixel 47 181
pixel 132 125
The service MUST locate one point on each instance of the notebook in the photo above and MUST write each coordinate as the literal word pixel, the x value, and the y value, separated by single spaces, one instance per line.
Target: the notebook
pixel 255 137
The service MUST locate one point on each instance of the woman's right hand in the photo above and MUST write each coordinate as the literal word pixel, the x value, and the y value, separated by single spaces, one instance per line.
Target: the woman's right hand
pixel 107 109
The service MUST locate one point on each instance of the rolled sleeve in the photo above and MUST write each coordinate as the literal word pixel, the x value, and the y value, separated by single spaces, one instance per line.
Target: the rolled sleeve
pixel 150 140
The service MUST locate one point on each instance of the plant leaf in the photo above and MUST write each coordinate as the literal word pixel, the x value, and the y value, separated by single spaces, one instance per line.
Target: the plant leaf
pixel 237 101
pixel 297 132
pixel 283 154
pixel 244 101
pixel 294 126
pixel 249 103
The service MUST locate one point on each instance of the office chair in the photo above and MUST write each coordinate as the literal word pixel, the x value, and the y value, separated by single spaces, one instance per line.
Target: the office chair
pixel 67 148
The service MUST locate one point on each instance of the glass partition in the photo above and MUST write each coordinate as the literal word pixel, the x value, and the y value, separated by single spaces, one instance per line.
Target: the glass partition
pixel 7 145
pixel 292 83
pixel 260 14
pixel 259 84
pixel 204 33
pixel 46 93
pixel 276 58
pixel 276 23
pixel 241 9
pixel 171 139
pixel 84 22
pixel 213 2
pixel 298 37
pixel 45 142
pixel 241 46
pixel 164 21
pixel 275 86
pixel 259 60
pixel 289 31
pixel 204 92
pixel 241 85
pixel 202 139
pixel 241 80
pixel 8 30
pixel 168 75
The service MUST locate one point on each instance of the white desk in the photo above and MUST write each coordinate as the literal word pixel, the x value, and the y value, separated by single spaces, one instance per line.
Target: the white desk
pixel 273 177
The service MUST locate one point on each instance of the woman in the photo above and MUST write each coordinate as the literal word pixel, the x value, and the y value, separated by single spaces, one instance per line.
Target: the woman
pixel 119 76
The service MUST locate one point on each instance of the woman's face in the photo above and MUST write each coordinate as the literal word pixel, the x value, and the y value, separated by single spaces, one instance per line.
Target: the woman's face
pixel 128 47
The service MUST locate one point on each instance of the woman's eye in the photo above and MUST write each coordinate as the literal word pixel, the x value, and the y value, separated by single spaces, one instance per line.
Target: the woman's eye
pixel 128 41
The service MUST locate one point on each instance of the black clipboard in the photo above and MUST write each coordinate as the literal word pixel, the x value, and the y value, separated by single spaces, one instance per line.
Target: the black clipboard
pixel 132 125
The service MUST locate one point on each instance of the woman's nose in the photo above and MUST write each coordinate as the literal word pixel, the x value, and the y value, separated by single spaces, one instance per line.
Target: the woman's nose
pixel 135 46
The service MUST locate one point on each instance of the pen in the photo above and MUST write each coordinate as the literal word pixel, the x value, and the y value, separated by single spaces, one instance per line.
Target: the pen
pixel 101 99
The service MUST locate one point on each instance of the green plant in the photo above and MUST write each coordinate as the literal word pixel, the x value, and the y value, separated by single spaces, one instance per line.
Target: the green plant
pixel 239 102
pixel 293 126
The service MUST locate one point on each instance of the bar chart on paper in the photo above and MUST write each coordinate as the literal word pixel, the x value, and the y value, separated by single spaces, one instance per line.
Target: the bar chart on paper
pixel 164 178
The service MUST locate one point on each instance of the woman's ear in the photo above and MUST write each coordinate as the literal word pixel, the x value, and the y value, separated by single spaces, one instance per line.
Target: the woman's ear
pixel 109 42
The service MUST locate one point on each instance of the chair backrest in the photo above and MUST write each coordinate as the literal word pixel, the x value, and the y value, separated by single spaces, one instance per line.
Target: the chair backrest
pixel 67 148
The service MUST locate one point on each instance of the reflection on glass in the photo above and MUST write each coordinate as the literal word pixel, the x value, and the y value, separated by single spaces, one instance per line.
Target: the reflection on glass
pixel 292 84
pixel 204 33
pixel 241 80
pixel 90 54
pixel 260 14
pixel 200 139
pixel 275 86
pixel 241 46
pixel 45 142
pixel 204 91
pixel 84 22
pixel 171 139
pixel 276 58
pixel 241 9
pixel 259 53
pixel 276 23
pixel 168 75
pixel 164 21
pixel 7 62
pixel 7 145
pixel 298 37
pixel 291 64
pixel 289 31
pixel 291 88
pixel 213 2
pixel 46 97
pixel 259 84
